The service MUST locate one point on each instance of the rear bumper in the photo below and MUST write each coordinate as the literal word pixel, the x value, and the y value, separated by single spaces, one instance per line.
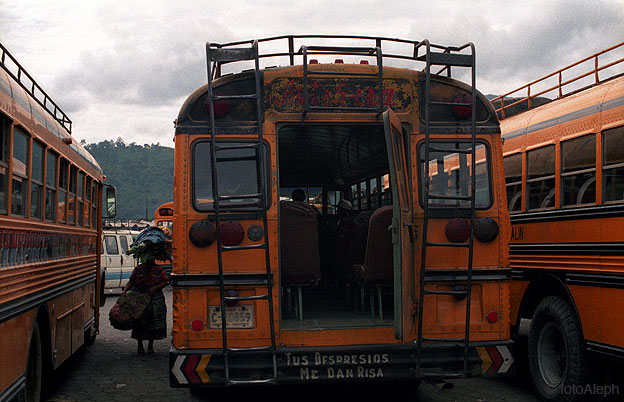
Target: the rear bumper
pixel 205 367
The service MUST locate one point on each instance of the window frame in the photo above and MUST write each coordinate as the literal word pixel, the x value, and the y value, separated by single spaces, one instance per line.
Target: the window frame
pixel 241 208
pixel 40 182
pixel 540 179
pixel 5 144
pixel 515 183
pixel 576 172
pixel 420 173
pixel 25 179
pixel 612 166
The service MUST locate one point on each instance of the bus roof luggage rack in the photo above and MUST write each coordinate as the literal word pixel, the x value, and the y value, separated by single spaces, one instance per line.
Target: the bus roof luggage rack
pixel 447 57
pixel 534 89
pixel 32 88
pixel 217 54
pixel 342 50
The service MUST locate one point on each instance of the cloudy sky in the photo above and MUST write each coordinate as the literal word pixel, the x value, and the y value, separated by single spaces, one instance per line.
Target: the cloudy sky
pixel 123 69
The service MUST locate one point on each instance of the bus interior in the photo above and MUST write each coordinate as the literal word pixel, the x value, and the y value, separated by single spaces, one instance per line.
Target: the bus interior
pixel 336 256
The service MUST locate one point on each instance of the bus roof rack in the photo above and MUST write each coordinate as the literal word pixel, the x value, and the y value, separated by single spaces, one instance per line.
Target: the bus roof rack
pixel 532 94
pixel 35 91
pixel 293 46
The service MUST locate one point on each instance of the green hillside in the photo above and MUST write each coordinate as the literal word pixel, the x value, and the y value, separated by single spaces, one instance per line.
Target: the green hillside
pixel 143 175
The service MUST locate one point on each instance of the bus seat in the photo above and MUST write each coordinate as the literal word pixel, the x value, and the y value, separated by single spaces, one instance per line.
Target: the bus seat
pixel 357 237
pixel 377 269
pixel 300 260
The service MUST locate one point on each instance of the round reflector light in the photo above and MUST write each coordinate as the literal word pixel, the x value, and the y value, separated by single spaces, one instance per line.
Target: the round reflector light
pixel 197 325
pixel 491 317
pixel 202 233
pixel 485 229
pixel 255 232
pixel 232 233
pixel 457 230
pixel 462 111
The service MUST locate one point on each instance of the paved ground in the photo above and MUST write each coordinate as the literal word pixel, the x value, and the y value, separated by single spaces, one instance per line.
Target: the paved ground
pixel 110 370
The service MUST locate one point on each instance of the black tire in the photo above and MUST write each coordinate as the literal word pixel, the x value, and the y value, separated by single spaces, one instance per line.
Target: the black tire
pixel 89 337
pixel 557 358
pixel 102 294
pixel 34 368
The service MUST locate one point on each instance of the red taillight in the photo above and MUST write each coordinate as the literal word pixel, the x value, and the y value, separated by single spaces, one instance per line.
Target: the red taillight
pixel 232 233
pixel 197 325
pixel 339 61
pixel 313 61
pixel 231 293
pixel 363 61
pixel 491 317
pixel 457 230
pixel 462 111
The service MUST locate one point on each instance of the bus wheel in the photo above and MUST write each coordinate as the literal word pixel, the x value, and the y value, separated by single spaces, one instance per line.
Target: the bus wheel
pixel 89 337
pixel 102 294
pixel 34 369
pixel 556 356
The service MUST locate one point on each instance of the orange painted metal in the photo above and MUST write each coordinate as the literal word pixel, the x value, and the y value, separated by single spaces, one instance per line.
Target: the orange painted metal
pixel 586 112
pixel 443 317
pixel 49 270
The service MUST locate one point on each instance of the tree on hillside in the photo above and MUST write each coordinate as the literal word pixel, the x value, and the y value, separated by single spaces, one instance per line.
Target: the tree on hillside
pixel 142 175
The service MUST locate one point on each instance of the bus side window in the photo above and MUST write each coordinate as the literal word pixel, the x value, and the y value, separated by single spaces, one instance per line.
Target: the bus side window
pixel 513 181
pixel 71 199
pixel 19 189
pixel 111 245
pixel 578 171
pixel 541 178
pixel 50 200
pixel 62 193
pixel 80 199
pixel 5 130
pixel 613 164
pixel 36 184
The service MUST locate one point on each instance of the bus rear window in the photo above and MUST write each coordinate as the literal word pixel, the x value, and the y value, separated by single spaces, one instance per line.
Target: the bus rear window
pixel 450 173
pixel 237 176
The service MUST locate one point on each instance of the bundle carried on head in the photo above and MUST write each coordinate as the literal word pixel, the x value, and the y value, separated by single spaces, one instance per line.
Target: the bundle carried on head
pixel 151 244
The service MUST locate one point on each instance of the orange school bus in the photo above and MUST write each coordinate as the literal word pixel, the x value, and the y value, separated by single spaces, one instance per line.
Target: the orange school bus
pixel 50 233
pixel 565 188
pixel 163 218
pixel 402 272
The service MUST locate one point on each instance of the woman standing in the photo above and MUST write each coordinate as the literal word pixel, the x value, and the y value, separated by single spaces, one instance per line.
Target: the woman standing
pixel 148 277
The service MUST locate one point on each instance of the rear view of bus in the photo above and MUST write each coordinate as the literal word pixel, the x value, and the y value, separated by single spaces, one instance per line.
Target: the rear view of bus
pixel 349 217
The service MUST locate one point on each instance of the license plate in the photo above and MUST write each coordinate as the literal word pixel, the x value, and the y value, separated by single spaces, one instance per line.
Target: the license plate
pixel 235 316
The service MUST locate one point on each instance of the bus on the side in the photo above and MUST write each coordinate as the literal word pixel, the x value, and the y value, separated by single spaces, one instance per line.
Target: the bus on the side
pixel 339 218
pixel 163 218
pixel 564 172
pixel 51 192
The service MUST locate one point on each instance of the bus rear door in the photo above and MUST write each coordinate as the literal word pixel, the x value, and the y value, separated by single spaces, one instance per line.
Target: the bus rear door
pixel 402 236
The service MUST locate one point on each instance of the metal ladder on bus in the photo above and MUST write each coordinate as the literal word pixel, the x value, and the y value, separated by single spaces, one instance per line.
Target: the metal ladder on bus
pixel 342 50
pixel 218 55
pixel 446 58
